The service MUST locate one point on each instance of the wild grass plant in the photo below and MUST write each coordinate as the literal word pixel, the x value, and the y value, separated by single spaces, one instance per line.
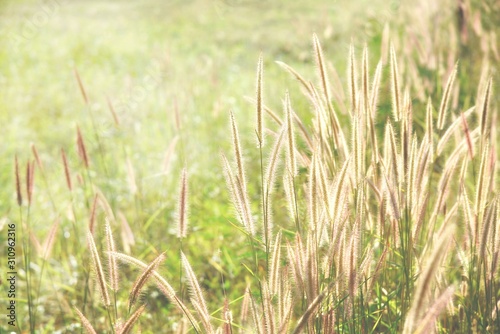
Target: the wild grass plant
pixel 365 207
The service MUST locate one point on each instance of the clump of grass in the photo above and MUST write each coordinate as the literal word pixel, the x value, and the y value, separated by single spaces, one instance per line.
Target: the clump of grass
pixel 373 229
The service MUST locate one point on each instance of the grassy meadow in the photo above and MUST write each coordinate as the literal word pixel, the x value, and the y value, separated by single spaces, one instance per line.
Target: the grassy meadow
pixel 249 166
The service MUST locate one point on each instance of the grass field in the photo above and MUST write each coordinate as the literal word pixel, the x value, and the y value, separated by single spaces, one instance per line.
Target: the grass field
pixel 382 215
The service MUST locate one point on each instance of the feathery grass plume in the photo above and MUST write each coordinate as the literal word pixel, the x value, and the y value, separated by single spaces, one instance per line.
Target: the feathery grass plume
pixel 93 212
pixel 311 309
pixel 66 170
pixel 429 126
pixel 394 159
pixel 395 91
pixel 371 105
pixel 85 322
pixel 48 244
pixel 428 322
pixel 489 223
pixel 337 131
pixel 245 304
pixel 260 102
pixel 227 316
pixel 197 298
pixel 112 265
pixel 296 268
pixel 465 127
pixel 101 281
pixel 481 183
pixel 267 309
pixel 82 87
pixel 129 324
pixel 318 51
pixel 313 194
pixel 357 147
pixel 113 112
pixel 290 197
pixel 238 156
pixel 238 197
pixel 446 97
pixel 255 316
pixel 274 277
pixel 365 82
pixel 37 157
pixel 422 290
pixel 143 278
pixel 291 160
pixel 162 284
pixel 352 80
pixel 312 275
pixel 18 182
pixel 297 76
pixel 30 175
pixel 183 206
pixel 82 150
pixel 485 108
pixel 298 121
pixel 270 176
pixel 375 88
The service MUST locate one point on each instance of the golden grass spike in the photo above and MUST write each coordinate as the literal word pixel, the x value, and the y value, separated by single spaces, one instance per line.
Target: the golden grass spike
pixel 352 81
pixel 313 194
pixel 112 265
pixel 485 108
pixel 422 289
pixel 162 284
pixel 268 310
pixel 195 289
pixel 129 324
pixel 183 206
pixel 30 180
pixel 296 75
pixel 101 281
pixel 318 51
pixel 260 102
pixel 66 170
pixel 238 156
pixel 37 157
pixel 245 305
pixel 143 279
pixel 82 150
pixel 255 316
pixel 270 176
pixel 465 127
pixel 82 87
pixel 481 182
pixel 489 223
pixel 238 197
pixel 446 97
pixel 395 91
pixel 365 77
pixel 291 161
pixel 85 322
pixel 429 127
pixel 18 183
pixel 93 212
pixel 375 89
pixel 274 277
